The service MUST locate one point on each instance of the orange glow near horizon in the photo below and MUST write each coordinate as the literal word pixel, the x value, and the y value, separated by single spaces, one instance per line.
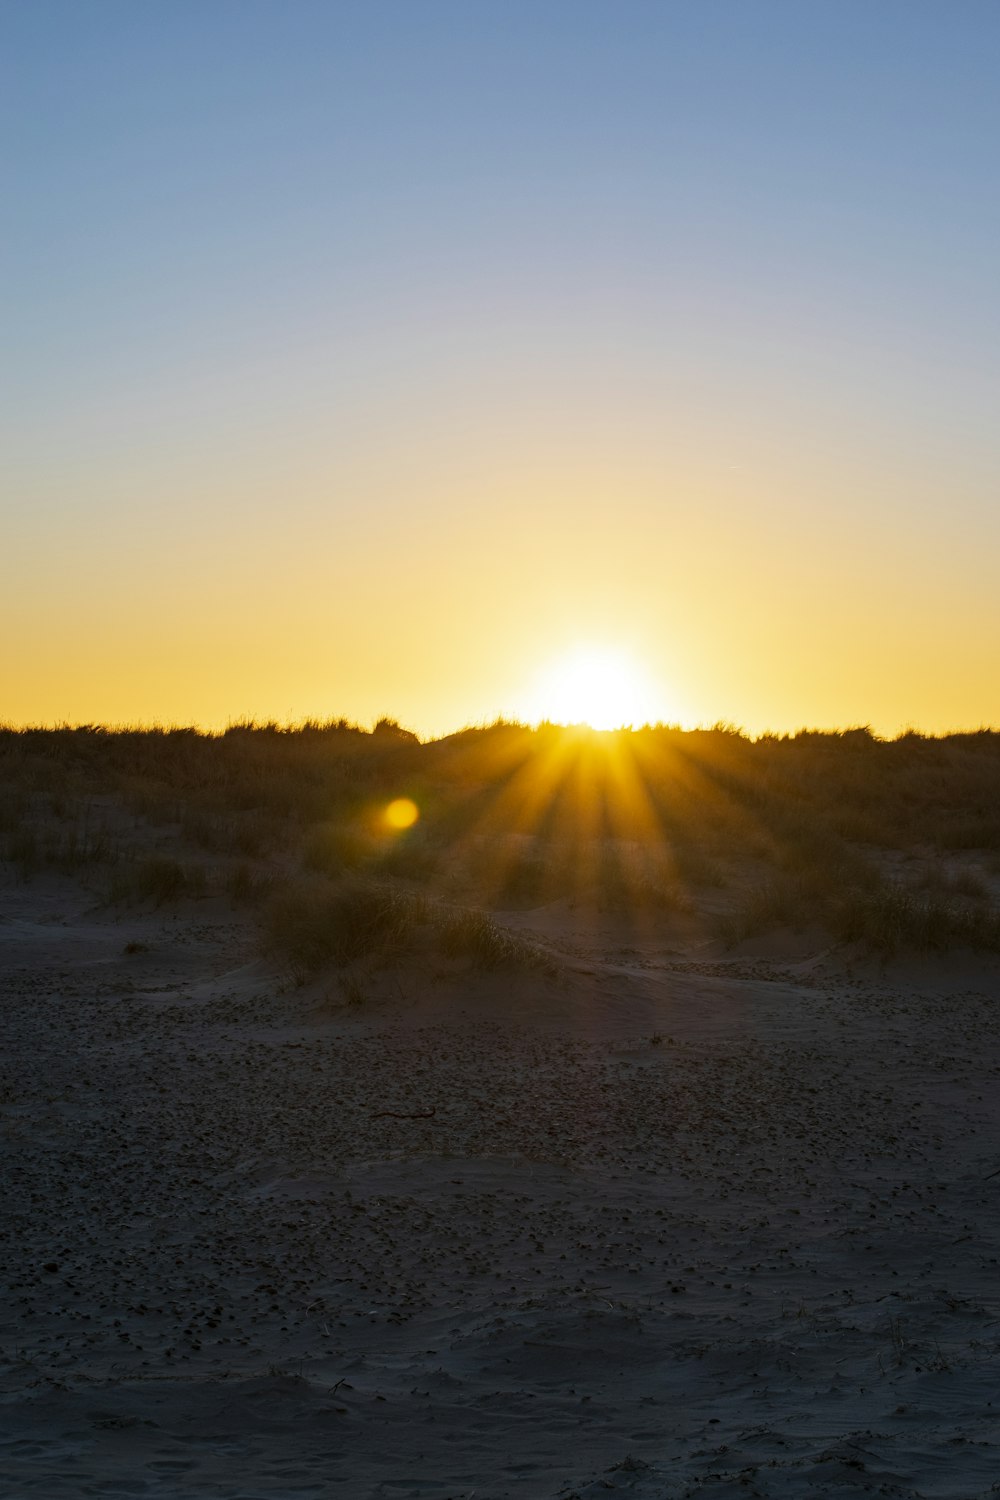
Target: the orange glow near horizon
pixel 465 626
pixel 423 389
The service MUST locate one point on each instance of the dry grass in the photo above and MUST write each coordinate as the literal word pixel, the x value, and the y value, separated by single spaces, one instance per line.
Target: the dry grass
pixel 311 923
pixel 788 830
pixel 475 935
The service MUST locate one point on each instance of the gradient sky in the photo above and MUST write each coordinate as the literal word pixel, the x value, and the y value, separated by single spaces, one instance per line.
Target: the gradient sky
pixel 364 358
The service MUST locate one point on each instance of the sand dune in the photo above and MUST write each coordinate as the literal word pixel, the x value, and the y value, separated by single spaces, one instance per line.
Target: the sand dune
pixel 668 1224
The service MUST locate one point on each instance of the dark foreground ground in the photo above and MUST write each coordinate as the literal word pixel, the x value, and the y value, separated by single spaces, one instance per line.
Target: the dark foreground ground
pixel 663 1218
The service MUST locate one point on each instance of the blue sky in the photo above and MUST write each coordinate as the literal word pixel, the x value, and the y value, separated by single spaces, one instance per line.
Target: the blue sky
pixel 288 281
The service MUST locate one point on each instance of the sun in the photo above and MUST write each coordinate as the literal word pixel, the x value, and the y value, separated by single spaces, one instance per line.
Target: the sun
pixel 595 685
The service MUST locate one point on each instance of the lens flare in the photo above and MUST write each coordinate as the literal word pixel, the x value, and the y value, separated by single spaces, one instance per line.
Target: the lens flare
pixel 402 812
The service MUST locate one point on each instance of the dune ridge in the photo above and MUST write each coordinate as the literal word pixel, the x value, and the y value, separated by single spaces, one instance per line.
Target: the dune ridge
pixel 611 1200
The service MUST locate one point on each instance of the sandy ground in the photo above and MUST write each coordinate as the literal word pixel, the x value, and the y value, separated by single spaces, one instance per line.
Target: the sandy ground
pixel 677 1223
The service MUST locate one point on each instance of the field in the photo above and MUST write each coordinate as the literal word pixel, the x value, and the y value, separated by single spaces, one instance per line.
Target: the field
pixel 527 1113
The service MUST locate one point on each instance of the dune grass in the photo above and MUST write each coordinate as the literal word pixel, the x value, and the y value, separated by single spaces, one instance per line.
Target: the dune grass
pixel 881 841
pixel 476 935
pixel 311 923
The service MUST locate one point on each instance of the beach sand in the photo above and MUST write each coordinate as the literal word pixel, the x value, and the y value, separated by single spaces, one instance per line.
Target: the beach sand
pixel 670 1222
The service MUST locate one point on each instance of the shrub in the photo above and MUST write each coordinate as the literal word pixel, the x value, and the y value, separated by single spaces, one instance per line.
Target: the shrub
pixel 475 935
pixel 311 923
pixel 81 846
pixel 891 917
pixel 882 916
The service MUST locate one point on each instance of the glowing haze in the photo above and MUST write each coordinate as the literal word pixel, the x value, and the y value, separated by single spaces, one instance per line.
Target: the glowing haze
pixel 366 359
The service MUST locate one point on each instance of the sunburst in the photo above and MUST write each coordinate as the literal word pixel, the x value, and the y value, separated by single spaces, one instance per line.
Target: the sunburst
pixel 599 686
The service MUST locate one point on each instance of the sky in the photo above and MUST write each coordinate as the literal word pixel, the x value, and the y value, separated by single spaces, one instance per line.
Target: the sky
pixel 377 358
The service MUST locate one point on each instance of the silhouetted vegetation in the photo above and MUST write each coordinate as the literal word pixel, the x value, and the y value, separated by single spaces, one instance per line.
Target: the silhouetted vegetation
pixel 310 923
pixel 475 935
pixel 888 843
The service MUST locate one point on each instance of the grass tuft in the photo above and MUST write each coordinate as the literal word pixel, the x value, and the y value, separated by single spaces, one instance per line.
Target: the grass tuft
pixel 311 923
pixel 893 917
pixel 475 935
pixel 882 916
